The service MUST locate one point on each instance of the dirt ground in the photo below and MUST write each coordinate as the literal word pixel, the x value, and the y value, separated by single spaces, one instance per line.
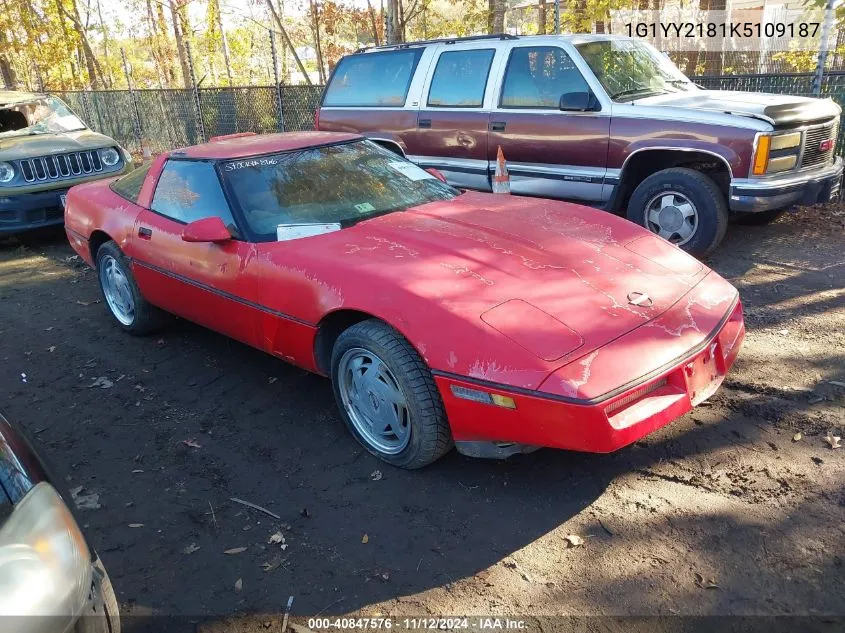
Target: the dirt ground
pixel 727 511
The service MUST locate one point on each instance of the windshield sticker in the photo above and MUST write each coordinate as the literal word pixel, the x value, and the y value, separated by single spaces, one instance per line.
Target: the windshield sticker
pixel 365 207
pixel 256 162
pixel 285 232
pixel 411 171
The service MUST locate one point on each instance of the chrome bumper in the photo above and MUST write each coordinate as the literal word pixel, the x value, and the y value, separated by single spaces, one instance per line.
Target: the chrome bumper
pixel 751 195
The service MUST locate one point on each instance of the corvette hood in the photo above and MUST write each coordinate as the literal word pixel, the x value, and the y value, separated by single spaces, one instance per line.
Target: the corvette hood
pixel 543 281
pixel 779 110
pixel 34 145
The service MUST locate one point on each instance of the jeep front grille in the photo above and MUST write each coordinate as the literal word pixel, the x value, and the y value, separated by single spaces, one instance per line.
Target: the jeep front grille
pixel 813 138
pixel 60 166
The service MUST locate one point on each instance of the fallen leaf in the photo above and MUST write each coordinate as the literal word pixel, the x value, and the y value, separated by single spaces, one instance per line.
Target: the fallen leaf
pixel 273 563
pixel 278 537
pixel 190 549
pixel 376 475
pixel 305 513
pixel 83 303
pixel 48 329
pixel 365 539
pixel 709 583
pixel 136 525
pixel 833 440
pixel 87 502
pixel 272 379
pixel 51 349
pixel 239 584
pixel 137 470
pixel 235 550
pixel 385 576
pixel 102 382
pixel 797 437
pixel 192 443
pixel 574 540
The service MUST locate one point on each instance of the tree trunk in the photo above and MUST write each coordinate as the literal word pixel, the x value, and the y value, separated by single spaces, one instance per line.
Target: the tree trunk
pixel 87 55
pixel 175 6
pixel 372 13
pixel 315 30
pixel 287 42
pixel 394 19
pixel 104 29
pixel 496 22
pixel 541 18
pixel 223 41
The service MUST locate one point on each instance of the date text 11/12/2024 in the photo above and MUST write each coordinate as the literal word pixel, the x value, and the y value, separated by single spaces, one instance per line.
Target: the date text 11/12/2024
pixel 479 623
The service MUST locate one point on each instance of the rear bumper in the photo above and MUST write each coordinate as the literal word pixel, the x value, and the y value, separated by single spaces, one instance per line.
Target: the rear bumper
pixel 781 192
pixel 604 424
pixel 27 211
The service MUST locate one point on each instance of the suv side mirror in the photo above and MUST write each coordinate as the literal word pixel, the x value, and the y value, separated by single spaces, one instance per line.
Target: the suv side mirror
pixel 206 230
pixel 576 101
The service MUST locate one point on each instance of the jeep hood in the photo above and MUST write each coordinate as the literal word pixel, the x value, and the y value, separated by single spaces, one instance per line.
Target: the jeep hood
pixel 779 110
pixel 34 145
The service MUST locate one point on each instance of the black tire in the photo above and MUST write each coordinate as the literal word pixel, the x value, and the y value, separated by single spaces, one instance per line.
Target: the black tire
pixel 758 219
pixel 147 318
pixel 430 436
pixel 705 195
pixel 109 620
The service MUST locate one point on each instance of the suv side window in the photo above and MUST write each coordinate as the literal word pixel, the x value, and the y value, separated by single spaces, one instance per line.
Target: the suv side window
pixel 129 186
pixel 373 79
pixel 190 190
pixel 537 76
pixel 460 79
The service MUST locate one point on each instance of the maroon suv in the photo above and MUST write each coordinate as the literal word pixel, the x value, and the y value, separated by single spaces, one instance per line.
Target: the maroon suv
pixel 608 121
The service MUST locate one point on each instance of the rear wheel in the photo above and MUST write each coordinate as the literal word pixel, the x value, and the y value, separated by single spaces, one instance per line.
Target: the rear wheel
pixel 133 313
pixel 682 206
pixel 387 396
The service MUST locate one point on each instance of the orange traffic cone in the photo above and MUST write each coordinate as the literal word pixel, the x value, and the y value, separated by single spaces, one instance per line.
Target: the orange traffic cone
pixel 501 179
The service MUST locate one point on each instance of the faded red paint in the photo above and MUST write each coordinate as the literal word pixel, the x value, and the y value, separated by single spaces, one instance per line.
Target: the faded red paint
pixel 522 296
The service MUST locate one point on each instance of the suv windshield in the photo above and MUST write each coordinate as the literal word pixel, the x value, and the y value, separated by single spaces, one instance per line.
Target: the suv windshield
pixel 631 70
pixel 334 184
pixel 42 115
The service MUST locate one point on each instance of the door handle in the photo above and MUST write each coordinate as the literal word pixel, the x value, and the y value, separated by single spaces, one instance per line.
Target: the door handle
pixel 424 124
pixel 497 126
pixel 144 233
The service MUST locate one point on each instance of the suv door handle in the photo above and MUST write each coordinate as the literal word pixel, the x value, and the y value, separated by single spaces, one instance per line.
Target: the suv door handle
pixel 497 126
pixel 144 233
pixel 424 123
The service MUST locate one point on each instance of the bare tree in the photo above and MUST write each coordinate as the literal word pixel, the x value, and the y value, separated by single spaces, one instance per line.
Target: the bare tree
pixel 315 30
pixel 175 14
pixel 541 17
pixel 496 17
pixel 287 41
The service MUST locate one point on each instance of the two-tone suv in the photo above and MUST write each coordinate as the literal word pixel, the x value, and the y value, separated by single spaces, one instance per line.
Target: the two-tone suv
pixel 44 150
pixel 605 120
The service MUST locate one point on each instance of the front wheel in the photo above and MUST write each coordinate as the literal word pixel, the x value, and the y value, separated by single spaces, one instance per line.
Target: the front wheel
pixel 132 312
pixel 387 396
pixel 682 206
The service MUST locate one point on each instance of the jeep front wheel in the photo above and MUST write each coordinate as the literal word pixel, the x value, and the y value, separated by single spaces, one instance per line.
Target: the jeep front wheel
pixel 682 206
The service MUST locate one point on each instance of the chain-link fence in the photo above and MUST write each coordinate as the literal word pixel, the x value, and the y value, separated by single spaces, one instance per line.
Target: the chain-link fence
pixel 170 118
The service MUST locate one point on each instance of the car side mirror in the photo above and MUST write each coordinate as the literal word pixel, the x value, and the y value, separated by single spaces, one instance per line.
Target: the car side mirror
pixel 436 173
pixel 206 230
pixel 576 101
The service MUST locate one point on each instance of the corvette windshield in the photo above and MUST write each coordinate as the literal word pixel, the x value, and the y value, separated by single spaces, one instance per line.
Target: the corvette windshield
pixel 631 70
pixel 335 184
pixel 42 115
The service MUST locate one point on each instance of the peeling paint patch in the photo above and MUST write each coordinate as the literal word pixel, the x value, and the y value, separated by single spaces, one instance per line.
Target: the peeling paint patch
pixel 465 270
pixel 571 387
pixel 453 360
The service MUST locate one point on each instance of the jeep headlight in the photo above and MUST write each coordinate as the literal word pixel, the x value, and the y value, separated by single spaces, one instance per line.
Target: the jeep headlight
pixel 109 156
pixel 45 565
pixel 7 172
pixel 775 153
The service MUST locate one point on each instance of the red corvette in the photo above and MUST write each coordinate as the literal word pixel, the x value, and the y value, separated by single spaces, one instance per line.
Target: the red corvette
pixel 495 323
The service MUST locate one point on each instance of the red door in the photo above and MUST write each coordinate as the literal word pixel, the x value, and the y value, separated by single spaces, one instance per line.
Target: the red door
pixel 212 284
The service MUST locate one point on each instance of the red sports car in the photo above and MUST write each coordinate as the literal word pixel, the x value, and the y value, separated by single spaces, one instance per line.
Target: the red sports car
pixel 495 323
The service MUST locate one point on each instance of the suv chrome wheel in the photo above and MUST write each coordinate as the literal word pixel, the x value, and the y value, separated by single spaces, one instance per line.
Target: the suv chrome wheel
pixel 116 290
pixel 374 401
pixel 672 216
